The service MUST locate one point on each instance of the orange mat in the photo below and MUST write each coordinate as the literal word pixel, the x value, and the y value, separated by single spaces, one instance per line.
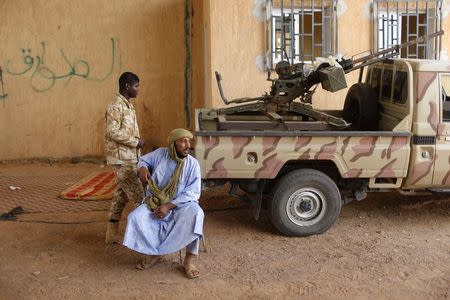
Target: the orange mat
pixel 96 186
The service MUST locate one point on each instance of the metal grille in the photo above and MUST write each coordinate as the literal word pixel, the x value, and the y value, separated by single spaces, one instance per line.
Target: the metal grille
pixel 424 140
pixel 401 21
pixel 300 30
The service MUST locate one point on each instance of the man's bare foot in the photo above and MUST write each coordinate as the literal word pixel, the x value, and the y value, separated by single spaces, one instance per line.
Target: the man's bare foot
pixel 148 261
pixel 190 269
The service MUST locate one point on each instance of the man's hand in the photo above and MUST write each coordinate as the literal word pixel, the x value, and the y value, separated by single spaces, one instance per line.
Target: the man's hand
pixel 162 210
pixel 144 175
pixel 141 143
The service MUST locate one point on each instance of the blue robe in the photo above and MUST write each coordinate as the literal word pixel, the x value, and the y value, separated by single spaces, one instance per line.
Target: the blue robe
pixel 182 226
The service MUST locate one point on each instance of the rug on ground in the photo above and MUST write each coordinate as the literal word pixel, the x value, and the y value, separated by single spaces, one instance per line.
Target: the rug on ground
pixel 96 186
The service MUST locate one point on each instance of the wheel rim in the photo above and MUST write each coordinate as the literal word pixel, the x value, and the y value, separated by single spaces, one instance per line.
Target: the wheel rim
pixel 306 206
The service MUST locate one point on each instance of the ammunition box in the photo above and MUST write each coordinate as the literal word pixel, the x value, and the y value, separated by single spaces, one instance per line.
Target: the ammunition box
pixel 332 79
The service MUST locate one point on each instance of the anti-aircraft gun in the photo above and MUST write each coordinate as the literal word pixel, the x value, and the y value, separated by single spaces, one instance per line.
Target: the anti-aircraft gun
pixel 279 110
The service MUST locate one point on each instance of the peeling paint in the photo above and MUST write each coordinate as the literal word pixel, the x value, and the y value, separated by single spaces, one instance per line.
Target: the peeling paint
pixel 444 54
pixel 260 62
pixel 368 9
pixel 259 10
pixel 341 8
pixel 445 9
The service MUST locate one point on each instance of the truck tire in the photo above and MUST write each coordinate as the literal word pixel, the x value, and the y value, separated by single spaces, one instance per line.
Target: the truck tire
pixel 304 202
pixel 361 108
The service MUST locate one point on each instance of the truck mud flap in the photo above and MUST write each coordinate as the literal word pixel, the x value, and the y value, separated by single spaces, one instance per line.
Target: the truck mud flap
pixel 256 200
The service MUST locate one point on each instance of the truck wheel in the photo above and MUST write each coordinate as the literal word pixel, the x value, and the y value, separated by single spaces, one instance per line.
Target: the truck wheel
pixel 304 202
pixel 361 107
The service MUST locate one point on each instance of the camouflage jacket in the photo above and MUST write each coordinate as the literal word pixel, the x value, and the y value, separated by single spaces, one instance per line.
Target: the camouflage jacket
pixel 121 132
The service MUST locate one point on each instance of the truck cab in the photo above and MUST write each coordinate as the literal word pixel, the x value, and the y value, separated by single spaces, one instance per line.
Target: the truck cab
pixel 413 96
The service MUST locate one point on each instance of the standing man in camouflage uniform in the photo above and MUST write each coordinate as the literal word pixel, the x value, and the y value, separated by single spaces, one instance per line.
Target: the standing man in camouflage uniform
pixel 122 145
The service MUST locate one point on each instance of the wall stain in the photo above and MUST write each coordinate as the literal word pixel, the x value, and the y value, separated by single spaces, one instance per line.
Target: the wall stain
pixel 3 95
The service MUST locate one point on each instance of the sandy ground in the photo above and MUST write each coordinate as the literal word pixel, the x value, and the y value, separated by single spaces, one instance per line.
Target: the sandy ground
pixel 387 246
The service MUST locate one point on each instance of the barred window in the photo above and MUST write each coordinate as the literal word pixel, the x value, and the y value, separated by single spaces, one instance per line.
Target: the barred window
pixel 401 21
pixel 301 30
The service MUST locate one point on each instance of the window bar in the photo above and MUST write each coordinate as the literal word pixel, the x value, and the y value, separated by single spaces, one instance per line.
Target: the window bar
pixel 292 45
pixel 272 29
pixel 391 29
pixel 375 32
pixel 283 43
pixel 302 46
pixel 440 28
pixel 323 29
pixel 274 36
pixel 336 38
pixel 388 38
pixel 297 35
pixel 426 48
pixel 398 25
pixel 268 41
pixel 294 40
pixel 436 50
pixel 382 30
pixel 328 19
pixel 375 26
pixel 417 27
pixel 407 28
pixel 392 24
pixel 379 31
pixel 334 31
pixel 313 45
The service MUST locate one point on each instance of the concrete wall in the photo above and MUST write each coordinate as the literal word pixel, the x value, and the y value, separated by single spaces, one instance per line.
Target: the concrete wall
pixel 61 61
pixel 237 38
pixel 446 28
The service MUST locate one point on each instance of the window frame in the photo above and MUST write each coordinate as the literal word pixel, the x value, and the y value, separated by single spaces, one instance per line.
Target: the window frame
pixel 388 16
pixel 380 85
pixel 329 30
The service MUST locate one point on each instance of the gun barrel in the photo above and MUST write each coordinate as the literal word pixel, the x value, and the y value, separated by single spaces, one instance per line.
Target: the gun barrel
pixel 390 52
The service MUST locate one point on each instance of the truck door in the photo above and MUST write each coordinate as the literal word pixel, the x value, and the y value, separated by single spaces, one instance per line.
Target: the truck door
pixel 425 125
pixel 441 175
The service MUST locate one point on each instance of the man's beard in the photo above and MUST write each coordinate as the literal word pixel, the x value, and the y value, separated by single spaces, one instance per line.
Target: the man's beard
pixel 180 154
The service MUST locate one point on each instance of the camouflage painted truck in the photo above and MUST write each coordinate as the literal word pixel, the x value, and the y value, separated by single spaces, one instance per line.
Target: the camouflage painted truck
pixel 393 133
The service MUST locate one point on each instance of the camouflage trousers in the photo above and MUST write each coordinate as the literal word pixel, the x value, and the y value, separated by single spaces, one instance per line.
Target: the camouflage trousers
pixel 129 188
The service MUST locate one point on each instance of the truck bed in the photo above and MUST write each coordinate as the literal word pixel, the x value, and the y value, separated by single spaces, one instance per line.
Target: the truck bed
pixel 261 154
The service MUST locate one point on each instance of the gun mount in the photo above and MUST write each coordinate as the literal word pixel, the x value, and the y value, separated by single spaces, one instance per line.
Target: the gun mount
pixel 279 110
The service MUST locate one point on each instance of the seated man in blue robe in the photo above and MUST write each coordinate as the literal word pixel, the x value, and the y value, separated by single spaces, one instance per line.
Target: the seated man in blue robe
pixel 169 217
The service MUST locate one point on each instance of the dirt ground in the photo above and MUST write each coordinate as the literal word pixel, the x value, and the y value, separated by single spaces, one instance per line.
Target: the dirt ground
pixel 387 246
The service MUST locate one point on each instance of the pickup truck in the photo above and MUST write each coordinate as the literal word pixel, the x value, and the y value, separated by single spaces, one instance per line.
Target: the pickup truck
pixel 399 139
